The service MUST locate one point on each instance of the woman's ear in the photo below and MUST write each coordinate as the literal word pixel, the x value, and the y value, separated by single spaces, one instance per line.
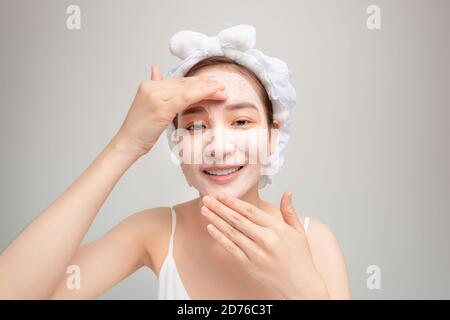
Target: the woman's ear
pixel 274 131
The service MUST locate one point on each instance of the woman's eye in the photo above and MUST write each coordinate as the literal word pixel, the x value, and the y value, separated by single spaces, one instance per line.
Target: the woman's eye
pixel 241 122
pixel 196 126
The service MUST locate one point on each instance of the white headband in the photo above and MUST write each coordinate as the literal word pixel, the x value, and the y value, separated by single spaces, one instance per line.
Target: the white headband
pixel 237 43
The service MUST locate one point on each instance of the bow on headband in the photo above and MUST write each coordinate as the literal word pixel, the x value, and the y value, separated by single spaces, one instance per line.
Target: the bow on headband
pixel 184 43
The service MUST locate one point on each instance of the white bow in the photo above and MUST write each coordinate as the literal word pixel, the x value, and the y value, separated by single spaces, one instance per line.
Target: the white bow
pixel 240 37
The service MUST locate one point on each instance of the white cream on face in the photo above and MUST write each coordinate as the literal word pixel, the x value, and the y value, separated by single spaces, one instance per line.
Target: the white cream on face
pixel 218 144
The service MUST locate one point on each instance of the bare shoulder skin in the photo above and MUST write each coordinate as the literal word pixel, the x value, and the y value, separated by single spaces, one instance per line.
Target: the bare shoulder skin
pixel 127 247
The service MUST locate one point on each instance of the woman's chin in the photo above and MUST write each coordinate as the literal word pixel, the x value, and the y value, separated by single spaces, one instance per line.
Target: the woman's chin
pixel 236 190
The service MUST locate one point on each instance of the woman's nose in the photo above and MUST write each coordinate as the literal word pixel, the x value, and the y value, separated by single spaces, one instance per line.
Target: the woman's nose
pixel 220 144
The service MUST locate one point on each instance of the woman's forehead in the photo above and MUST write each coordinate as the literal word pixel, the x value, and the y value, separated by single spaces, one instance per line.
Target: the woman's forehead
pixel 237 86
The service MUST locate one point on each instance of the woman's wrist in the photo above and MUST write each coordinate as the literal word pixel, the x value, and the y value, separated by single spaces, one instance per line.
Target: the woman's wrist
pixel 315 289
pixel 120 145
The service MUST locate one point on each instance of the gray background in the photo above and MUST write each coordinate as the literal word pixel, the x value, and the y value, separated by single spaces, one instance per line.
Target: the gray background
pixel 369 152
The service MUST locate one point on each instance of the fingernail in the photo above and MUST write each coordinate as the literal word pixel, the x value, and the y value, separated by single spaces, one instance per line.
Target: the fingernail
pixel 290 201
pixel 221 196
pixel 207 199
pixel 204 210
pixel 289 196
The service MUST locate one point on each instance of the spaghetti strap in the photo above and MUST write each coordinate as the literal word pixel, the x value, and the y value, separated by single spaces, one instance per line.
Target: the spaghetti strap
pixel 170 284
pixel 174 223
pixel 306 224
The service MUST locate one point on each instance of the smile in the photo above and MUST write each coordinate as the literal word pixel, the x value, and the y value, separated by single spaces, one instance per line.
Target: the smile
pixel 222 175
pixel 222 172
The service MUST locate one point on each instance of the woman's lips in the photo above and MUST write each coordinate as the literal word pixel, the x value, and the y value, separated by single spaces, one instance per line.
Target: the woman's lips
pixel 222 179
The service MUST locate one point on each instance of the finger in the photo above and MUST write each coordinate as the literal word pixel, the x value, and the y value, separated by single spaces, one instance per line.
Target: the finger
pixel 193 95
pixel 248 210
pixel 177 85
pixel 156 73
pixel 192 80
pixel 169 89
pixel 229 245
pixel 288 212
pixel 237 220
pixel 246 244
pixel 218 95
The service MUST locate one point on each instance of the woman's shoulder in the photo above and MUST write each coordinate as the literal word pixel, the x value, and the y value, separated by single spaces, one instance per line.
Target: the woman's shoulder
pixel 320 236
pixel 150 219
pixel 155 222
pixel 152 226
pixel 329 258
pixel 320 233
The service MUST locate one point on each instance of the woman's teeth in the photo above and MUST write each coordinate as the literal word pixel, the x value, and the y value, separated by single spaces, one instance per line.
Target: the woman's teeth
pixel 222 172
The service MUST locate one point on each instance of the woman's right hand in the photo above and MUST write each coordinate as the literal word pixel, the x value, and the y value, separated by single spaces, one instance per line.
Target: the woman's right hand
pixel 156 104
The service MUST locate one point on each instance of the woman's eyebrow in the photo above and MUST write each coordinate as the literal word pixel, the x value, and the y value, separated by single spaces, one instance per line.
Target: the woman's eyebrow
pixel 233 106
pixel 241 105
pixel 192 111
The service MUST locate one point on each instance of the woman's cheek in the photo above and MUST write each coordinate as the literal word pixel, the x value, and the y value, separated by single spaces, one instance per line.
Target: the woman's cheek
pixel 191 148
pixel 190 172
pixel 253 143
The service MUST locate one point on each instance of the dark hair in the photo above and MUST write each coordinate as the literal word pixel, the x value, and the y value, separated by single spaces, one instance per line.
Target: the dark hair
pixel 218 60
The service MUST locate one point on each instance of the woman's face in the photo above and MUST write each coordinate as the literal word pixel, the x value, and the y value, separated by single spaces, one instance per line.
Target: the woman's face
pixel 225 137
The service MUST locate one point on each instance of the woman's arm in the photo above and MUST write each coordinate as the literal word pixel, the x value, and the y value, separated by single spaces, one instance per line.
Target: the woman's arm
pixel 32 265
pixel 103 263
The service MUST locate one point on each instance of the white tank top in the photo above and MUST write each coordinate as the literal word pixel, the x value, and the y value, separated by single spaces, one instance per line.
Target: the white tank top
pixel 170 285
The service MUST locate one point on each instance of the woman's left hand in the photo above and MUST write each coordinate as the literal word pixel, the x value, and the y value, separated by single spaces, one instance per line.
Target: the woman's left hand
pixel 274 251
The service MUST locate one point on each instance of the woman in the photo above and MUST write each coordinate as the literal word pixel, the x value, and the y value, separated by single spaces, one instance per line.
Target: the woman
pixel 252 249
